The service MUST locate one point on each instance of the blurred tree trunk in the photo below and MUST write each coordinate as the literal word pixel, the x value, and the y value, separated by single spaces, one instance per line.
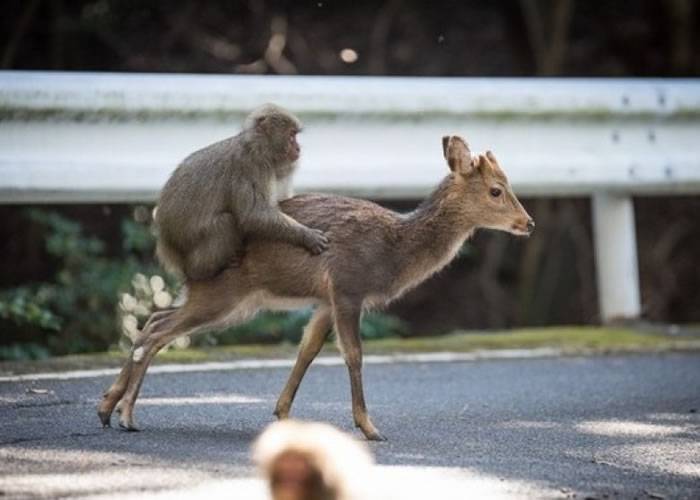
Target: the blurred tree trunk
pixel 681 46
pixel 547 26
pixel 548 30
pixel 8 55
pixel 380 35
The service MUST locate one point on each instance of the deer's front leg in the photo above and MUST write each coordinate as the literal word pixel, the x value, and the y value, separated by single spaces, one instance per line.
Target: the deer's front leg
pixel 347 323
pixel 315 334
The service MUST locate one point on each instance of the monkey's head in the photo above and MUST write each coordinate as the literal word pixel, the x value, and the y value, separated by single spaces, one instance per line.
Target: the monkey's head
pixel 277 129
pixel 312 461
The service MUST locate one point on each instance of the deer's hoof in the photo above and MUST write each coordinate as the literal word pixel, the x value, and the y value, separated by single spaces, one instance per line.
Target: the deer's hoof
pixel 128 425
pixel 374 435
pixel 105 418
pixel 281 414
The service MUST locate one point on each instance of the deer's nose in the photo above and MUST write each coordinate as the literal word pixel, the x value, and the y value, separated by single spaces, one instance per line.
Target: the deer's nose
pixel 530 226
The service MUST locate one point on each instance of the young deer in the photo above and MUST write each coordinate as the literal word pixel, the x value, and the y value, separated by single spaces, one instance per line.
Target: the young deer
pixel 375 256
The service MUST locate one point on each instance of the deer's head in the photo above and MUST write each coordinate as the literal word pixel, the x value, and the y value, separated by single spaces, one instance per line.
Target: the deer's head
pixel 483 191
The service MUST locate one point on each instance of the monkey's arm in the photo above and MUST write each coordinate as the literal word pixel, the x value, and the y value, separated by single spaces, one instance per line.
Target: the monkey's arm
pixel 259 217
pixel 275 225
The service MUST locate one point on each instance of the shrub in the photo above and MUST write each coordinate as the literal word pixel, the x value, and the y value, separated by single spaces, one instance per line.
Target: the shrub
pixel 75 312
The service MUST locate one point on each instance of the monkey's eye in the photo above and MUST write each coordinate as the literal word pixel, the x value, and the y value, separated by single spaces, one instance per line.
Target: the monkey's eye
pixel 495 192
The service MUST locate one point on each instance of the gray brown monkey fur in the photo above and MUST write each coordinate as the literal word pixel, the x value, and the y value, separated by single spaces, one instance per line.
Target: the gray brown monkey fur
pixel 227 192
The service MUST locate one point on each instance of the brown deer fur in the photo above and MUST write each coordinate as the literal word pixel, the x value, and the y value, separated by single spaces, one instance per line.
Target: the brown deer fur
pixel 375 255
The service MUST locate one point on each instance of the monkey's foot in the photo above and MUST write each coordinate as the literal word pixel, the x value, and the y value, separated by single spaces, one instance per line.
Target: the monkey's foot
pixel 237 260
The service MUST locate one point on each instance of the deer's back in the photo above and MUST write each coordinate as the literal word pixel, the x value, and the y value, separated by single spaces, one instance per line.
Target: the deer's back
pixel 363 237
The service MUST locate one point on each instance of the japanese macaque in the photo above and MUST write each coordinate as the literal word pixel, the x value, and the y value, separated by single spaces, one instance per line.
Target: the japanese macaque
pixel 224 194
pixel 312 461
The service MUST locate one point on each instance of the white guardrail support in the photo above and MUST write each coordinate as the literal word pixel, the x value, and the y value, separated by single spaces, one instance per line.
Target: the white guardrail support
pixel 115 137
pixel 616 256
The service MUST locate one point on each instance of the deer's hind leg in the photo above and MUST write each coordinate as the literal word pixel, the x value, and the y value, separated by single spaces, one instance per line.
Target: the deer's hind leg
pixel 154 319
pixel 113 395
pixel 315 334
pixel 187 321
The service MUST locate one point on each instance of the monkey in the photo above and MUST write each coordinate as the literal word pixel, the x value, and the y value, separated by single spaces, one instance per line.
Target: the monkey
pixel 227 192
pixel 313 461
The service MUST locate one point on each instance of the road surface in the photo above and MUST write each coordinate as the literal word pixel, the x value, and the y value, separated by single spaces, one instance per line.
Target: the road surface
pixel 601 427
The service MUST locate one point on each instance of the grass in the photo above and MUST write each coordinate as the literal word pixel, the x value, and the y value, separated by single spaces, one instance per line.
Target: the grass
pixel 570 340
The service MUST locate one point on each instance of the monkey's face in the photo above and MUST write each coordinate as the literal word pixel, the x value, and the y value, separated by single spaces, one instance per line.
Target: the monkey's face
pixel 283 141
pixel 279 129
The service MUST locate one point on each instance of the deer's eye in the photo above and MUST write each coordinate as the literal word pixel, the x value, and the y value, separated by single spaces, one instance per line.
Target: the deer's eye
pixel 495 192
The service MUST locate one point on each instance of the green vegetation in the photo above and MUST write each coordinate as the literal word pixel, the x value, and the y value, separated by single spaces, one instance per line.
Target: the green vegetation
pixel 569 339
pixel 75 311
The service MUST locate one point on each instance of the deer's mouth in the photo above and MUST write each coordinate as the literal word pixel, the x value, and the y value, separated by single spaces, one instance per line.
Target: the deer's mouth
pixel 519 230
pixel 523 228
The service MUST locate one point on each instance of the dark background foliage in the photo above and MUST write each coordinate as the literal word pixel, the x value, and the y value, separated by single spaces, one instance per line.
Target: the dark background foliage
pixel 393 37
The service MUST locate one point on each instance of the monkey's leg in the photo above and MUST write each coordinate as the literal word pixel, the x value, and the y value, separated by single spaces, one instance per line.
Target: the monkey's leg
pixel 315 334
pixel 217 247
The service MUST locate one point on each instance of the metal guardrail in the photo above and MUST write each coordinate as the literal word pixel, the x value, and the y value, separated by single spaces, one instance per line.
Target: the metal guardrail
pixel 115 137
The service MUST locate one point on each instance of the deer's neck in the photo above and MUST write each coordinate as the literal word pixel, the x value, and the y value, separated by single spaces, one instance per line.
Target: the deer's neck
pixel 439 222
pixel 430 237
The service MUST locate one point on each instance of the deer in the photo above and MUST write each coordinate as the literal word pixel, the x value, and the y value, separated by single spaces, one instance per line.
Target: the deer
pixel 375 256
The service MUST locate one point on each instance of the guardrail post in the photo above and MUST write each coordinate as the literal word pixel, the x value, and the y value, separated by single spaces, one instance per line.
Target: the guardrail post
pixel 616 256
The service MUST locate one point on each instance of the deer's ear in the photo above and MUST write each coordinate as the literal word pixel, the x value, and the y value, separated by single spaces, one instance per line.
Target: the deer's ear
pixel 445 142
pixel 457 154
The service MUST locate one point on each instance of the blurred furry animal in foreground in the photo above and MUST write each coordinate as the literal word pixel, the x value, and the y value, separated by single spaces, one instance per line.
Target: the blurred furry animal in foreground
pixel 312 461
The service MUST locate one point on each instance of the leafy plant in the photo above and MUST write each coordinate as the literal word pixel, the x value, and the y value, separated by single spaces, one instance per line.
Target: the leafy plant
pixel 75 312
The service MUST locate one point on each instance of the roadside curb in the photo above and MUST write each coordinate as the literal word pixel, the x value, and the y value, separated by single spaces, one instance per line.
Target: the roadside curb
pixel 252 364
pixel 369 359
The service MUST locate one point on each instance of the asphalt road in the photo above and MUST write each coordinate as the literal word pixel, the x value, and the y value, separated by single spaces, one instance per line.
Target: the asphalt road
pixel 606 427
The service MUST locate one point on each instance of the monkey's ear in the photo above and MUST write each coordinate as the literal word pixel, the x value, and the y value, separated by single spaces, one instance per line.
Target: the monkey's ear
pixel 261 123
pixel 457 153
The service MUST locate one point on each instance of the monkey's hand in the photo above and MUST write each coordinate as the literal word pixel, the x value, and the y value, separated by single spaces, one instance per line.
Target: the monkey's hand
pixel 315 241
